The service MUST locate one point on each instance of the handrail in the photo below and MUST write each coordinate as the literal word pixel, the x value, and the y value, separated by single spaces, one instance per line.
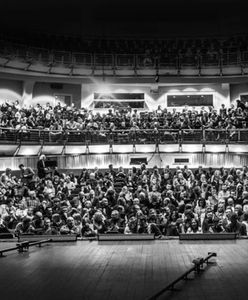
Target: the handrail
pixel 180 59
pixel 123 130
pixel 198 263
pixel 120 136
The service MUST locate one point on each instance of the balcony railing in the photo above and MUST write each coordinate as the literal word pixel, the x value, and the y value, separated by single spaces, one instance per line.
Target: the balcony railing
pixel 141 136
pixel 118 61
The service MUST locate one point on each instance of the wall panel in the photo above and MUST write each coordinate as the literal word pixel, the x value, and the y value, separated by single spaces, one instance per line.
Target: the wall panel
pixel 102 161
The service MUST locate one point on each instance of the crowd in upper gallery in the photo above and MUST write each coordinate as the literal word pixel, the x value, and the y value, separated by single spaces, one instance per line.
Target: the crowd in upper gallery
pixel 153 47
pixel 140 200
pixel 69 118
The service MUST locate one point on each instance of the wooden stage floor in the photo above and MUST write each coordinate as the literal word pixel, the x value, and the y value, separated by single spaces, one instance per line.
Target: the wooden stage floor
pixel 124 270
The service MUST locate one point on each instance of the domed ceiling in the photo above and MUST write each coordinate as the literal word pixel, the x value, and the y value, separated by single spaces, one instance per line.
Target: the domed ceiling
pixel 154 18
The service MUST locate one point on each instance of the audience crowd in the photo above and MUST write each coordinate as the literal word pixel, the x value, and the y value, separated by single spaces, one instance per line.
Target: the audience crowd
pixel 150 53
pixel 154 47
pixel 163 202
pixel 61 118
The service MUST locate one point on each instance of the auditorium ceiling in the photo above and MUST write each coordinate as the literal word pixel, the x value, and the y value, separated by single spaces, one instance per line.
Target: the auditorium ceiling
pixel 160 18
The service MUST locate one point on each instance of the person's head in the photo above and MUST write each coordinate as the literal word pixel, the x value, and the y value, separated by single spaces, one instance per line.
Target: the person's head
pixel 194 223
pixel 202 202
pixel 26 221
pixel 92 176
pixel 245 217
pixel 98 217
pixel 8 171
pixel 239 188
pixel 132 222
pixel 42 157
pixel 121 209
pixel 56 218
pixel 238 209
pixel 221 201
pixel 166 175
pixel 88 204
pixel 21 167
pixel 209 213
pixel 115 215
pixel 245 206
pixel 30 211
pixel 70 222
pixel 104 202
pixel 136 201
pixel 180 175
pixel 228 212
pixel 47 222
pixel 221 208
pixel 32 194
pixel 38 215
pixel 230 201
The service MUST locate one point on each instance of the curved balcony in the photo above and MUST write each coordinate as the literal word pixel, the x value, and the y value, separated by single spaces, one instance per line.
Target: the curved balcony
pixel 40 60
pixel 122 137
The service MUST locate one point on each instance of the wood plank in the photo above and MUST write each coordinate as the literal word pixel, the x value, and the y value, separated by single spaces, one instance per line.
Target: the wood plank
pixel 124 270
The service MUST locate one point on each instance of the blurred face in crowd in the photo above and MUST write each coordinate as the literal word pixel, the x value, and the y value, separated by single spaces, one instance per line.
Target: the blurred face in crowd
pixel 230 202
pixel 194 223
pixel 221 207
pixel 132 222
pixel 228 213
pixel 88 204
pixel 30 211
pixel 104 202
pixel 209 213
pixel 115 215
pixel 70 222
pixel 245 208
pixel 136 201
pixel 238 209
pixel 47 223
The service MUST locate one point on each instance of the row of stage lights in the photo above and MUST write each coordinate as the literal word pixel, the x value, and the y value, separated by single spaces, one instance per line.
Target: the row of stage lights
pixel 27 150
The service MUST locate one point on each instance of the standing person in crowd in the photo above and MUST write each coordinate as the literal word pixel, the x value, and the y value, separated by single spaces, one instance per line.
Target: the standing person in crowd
pixel 42 170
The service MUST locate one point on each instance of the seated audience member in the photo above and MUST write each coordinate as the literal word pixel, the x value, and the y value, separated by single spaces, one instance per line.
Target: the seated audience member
pixel 25 227
pixel 27 176
pixel 194 227
pixel 116 224
pixel 245 221
pixel 131 226
pixel 47 228
pixel 236 226
pixel 99 223
pixel 69 227
pixel 4 225
pixel 208 224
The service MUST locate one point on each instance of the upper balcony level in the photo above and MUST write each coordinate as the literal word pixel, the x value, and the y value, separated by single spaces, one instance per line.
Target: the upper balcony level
pixel 188 60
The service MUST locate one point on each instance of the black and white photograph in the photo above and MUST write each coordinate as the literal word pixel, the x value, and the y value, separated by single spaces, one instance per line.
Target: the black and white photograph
pixel 124 150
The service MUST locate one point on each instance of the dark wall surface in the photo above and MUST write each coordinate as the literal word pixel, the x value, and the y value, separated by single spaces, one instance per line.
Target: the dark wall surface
pixel 125 17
